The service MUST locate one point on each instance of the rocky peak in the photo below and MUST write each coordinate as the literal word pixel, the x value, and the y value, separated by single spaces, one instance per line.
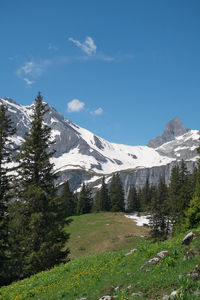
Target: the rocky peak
pixel 174 128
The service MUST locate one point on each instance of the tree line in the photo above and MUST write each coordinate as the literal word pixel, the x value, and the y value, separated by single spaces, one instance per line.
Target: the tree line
pixel 171 208
pixel 105 199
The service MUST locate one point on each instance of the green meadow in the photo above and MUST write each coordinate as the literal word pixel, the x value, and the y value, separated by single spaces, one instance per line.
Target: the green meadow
pixel 108 271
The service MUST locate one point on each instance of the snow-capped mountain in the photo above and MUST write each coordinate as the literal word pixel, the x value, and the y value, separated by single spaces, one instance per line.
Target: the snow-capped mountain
pixel 82 156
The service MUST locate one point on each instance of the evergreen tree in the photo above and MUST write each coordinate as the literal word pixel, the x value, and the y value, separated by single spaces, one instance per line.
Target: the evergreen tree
pixel 84 204
pixel 103 196
pixel 6 131
pixel 67 203
pixel 174 193
pixel 180 194
pixel 116 194
pixel 133 203
pixel 146 196
pixel 43 238
pixel 186 191
pixel 96 202
pixel 75 200
pixel 193 213
pixel 159 220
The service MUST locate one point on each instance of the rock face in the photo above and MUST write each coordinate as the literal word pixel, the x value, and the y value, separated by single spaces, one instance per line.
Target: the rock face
pixel 173 129
pixel 82 156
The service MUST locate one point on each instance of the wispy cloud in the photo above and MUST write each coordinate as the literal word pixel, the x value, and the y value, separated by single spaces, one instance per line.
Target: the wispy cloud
pixel 88 46
pixel 31 70
pixel 75 106
pixel 28 82
pixel 97 112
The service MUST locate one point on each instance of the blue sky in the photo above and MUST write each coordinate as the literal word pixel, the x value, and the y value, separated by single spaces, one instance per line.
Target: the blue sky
pixel 119 68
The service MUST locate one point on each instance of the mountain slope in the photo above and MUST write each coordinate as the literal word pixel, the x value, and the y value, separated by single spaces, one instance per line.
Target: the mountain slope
pixel 82 156
pixel 95 276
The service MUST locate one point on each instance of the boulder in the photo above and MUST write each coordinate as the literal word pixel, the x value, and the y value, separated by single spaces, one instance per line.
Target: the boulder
pixel 171 296
pixel 131 252
pixel 106 298
pixel 188 238
pixel 155 259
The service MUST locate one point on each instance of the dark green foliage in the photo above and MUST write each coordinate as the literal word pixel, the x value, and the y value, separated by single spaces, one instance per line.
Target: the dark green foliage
pixel 146 196
pixel 159 220
pixel 180 193
pixel 101 201
pixel 103 196
pixel 116 194
pixel 40 229
pixel 67 203
pixel 96 202
pixel 193 213
pixel 6 131
pixel 192 219
pixel 133 203
pixel 84 204
pixel 34 166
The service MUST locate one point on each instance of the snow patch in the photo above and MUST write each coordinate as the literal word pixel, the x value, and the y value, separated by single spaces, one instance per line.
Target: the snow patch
pixel 140 220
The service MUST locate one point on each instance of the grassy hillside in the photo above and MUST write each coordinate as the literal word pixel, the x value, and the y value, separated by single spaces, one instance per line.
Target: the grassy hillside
pixel 101 232
pixel 97 275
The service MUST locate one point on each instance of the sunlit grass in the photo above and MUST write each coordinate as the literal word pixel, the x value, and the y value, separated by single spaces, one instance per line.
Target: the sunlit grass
pixel 97 275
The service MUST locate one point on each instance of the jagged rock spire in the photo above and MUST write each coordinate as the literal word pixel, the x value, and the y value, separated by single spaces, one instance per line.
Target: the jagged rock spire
pixel 174 128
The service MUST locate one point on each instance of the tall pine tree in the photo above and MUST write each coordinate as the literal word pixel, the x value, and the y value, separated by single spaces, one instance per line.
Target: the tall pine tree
pixel 159 219
pixel 103 196
pixel 43 238
pixel 67 203
pixel 84 204
pixel 133 203
pixel 6 132
pixel 116 194
pixel 146 196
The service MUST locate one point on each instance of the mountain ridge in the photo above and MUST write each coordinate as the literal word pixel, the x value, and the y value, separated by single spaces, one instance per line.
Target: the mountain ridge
pixel 83 156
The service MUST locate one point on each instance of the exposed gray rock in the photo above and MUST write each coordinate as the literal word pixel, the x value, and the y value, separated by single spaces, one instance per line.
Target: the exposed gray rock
pixel 174 128
pixel 188 238
pixel 195 274
pixel 68 138
pixel 131 252
pixel 138 294
pixel 171 296
pixel 155 259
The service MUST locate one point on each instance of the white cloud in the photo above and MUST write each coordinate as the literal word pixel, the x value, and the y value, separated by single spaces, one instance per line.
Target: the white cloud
pixel 88 46
pixel 98 111
pixel 30 68
pixel 28 82
pixel 75 106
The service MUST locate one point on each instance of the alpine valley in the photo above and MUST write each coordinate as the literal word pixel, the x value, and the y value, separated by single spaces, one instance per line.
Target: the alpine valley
pixel 81 156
